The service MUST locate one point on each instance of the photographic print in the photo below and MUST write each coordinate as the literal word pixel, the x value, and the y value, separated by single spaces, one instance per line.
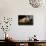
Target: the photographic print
pixel 25 19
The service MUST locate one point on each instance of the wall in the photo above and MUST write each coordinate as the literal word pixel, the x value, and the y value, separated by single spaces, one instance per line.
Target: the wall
pixel 13 8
